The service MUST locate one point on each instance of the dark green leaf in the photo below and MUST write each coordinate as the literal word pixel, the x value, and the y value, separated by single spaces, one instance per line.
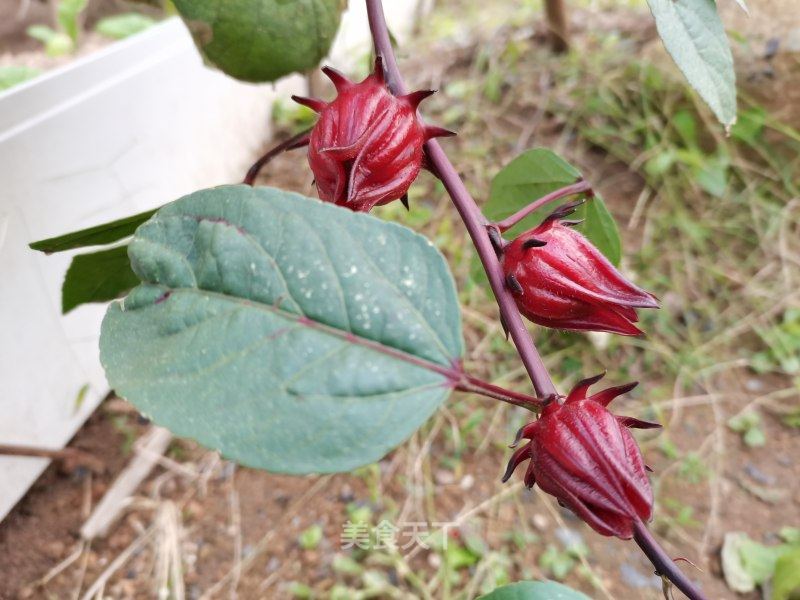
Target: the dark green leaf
pixel 600 228
pixel 538 172
pixel 535 590
pixel 290 334
pixel 694 36
pixel 262 40
pixel 97 277
pixel 98 235
pixel 529 176
pixel 119 27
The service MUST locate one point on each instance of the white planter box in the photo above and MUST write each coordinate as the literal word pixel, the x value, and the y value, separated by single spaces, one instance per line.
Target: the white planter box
pixel 128 128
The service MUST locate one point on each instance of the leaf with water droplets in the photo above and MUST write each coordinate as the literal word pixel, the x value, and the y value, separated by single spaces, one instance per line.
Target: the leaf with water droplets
pixel 290 334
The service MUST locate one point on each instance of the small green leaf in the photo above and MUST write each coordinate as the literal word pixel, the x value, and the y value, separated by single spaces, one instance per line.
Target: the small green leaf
pixel 55 43
pixel 459 557
pixel 290 334
pixel 790 535
pixel 736 575
pixel 558 563
pixel 262 40
pixel 68 12
pixel 786 581
pixel 97 277
pixel 759 560
pixel 754 437
pixel 694 36
pixel 744 421
pixel 41 33
pixel 538 172
pixel 535 590
pixel 311 537
pixel 80 398
pixel 300 590
pixel 13 75
pixel 119 27
pixel 346 565
pixel 99 235
pixel 747 563
pixel 749 126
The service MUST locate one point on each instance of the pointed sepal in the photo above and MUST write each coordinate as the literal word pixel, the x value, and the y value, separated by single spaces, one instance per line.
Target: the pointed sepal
pixel 415 98
pixel 582 387
pixel 340 82
pixel 313 103
pixel 434 131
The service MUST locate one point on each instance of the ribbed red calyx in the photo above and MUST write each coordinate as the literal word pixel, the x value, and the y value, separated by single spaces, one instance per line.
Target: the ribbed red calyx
pixel 366 147
pixel 559 279
pixel 585 456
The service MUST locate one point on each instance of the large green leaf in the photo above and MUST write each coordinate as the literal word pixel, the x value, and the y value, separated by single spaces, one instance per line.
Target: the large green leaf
pixel 538 172
pixel 97 277
pixel 262 40
pixel 535 590
pixel 99 235
pixel 694 36
pixel 290 334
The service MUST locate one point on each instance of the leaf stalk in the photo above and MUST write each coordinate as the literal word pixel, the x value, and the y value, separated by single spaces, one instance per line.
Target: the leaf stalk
pixel 581 187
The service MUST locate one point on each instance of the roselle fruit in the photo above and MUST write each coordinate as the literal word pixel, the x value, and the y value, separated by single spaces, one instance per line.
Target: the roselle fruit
pixel 366 147
pixel 559 279
pixel 586 457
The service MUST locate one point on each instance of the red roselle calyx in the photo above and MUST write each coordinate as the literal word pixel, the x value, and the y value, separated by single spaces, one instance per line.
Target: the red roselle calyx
pixel 586 457
pixel 366 148
pixel 559 279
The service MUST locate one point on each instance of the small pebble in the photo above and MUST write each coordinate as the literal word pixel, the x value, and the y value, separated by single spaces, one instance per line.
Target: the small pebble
pixel 444 477
pixel 539 521
pixel 759 475
pixel 569 538
pixel 634 578
pixel 346 493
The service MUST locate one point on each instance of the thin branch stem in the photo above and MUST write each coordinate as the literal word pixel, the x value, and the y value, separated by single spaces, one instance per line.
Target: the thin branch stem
pixel 71 457
pixel 476 223
pixel 474 385
pixel 557 24
pixel 580 187
pixel 473 219
pixel 664 565
pixel 296 141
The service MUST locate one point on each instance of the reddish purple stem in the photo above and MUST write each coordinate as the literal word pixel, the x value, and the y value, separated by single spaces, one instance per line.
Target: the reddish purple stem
pixel 575 188
pixel 473 218
pixel 664 565
pixel 296 141
pixel 476 223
